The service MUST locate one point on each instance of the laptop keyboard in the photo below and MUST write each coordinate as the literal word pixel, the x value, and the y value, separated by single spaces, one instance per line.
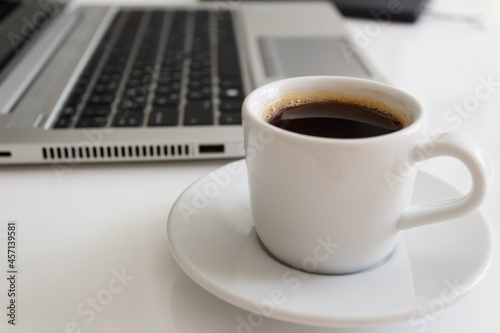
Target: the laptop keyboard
pixel 159 68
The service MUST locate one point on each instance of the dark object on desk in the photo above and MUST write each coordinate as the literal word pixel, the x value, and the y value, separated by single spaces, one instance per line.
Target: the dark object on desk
pixel 382 10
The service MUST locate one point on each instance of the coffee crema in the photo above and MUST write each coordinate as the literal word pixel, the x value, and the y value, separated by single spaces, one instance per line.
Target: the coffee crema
pixel 341 117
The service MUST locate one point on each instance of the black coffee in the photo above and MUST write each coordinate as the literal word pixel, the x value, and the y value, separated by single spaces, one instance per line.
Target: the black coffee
pixel 332 119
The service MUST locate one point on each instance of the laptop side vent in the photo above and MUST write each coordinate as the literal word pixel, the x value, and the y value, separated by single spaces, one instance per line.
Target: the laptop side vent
pixel 110 153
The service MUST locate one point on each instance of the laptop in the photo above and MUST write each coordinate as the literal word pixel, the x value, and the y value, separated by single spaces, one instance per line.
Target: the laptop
pixel 106 83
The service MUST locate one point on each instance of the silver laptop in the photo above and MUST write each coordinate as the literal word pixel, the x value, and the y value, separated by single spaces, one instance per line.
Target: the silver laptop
pixel 109 84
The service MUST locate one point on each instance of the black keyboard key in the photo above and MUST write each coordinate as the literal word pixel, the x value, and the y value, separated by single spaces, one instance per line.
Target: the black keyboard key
pixel 199 65
pixel 128 119
pixel 106 78
pixel 230 118
pixel 138 73
pixel 198 113
pixel 101 98
pixel 165 77
pixel 98 121
pixel 68 111
pixel 134 98
pixel 199 83
pixel 199 74
pixel 134 83
pixel 99 88
pixel 63 122
pixel 203 93
pixel 111 68
pixel 165 89
pixel 231 93
pixel 173 61
pixel 228 60
pixel 110 77
pixel 96 111
pixel 230 105
pixel 164 116
pixel 176 85
pixel 230 82
pixel 168 76
pixel 110 86
pixel 132 105
pixel 164 100
pixel 176 75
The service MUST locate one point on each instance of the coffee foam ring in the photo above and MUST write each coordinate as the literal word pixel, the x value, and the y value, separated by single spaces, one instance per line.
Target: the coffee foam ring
pixel 295 100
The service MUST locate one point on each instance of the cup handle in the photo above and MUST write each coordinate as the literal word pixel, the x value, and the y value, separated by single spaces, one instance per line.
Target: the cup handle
pixel 480 168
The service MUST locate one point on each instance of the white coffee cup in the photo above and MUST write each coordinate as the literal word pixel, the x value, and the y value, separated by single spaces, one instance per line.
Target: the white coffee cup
pixel 336 206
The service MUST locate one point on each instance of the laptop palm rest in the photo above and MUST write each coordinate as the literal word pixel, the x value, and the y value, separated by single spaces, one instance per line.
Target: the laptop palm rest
pixel 301 56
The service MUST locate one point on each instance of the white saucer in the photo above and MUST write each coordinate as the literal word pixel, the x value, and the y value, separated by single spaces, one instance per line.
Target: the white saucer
pixel 212 238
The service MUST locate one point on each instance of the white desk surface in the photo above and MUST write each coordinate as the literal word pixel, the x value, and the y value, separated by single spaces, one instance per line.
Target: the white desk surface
pixel 81 226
